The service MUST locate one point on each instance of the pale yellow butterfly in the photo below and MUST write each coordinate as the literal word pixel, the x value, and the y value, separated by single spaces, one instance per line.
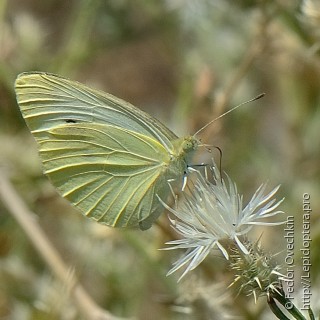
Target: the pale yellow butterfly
pixel 111 160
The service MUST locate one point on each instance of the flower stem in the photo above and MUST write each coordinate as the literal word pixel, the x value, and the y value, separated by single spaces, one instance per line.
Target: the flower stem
pixel 287 304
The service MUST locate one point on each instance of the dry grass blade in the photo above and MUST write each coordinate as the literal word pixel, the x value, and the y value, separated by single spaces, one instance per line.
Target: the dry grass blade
pixel 26 219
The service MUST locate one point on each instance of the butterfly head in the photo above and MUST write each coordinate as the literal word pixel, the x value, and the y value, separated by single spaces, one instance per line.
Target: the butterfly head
pixel 189 144
pixel 184 147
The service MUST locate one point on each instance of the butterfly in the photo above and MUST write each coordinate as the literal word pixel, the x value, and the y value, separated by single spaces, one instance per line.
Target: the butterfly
pixel 111 160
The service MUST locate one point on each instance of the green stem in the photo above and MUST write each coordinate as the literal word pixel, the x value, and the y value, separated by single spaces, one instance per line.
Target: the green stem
pixel 287 304
pixel 311 314
pixel 276 310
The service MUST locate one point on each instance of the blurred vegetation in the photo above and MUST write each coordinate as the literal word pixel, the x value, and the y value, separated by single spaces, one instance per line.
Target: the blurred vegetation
pixel 185 62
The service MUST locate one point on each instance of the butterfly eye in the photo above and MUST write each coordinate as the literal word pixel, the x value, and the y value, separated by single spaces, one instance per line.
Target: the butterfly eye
pixel 189 144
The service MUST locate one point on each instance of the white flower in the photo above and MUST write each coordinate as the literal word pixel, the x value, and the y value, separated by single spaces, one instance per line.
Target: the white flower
pixel 209 214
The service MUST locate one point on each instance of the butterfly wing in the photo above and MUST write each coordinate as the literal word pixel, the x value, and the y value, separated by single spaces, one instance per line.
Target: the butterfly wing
pixel 48 100
pixel 111 173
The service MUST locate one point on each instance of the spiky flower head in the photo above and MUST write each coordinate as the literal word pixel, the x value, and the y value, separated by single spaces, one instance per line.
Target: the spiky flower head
pixel 212 216
pixel 257 272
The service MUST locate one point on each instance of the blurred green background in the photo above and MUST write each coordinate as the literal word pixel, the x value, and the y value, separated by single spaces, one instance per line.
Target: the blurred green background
pixel 184 62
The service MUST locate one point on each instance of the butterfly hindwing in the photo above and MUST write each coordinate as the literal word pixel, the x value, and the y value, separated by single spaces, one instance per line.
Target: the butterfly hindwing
pixel 111 174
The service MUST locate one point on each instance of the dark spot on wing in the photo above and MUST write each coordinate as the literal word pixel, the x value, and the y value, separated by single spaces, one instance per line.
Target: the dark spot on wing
pixel 71 121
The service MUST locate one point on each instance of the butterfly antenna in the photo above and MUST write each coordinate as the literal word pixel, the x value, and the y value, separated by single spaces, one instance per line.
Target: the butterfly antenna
pixel 225 113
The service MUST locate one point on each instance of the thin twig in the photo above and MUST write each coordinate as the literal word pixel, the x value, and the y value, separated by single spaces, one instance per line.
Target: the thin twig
pixel 27 220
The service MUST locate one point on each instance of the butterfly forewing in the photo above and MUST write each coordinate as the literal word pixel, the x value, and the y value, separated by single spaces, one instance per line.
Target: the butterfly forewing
pixel 48 100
